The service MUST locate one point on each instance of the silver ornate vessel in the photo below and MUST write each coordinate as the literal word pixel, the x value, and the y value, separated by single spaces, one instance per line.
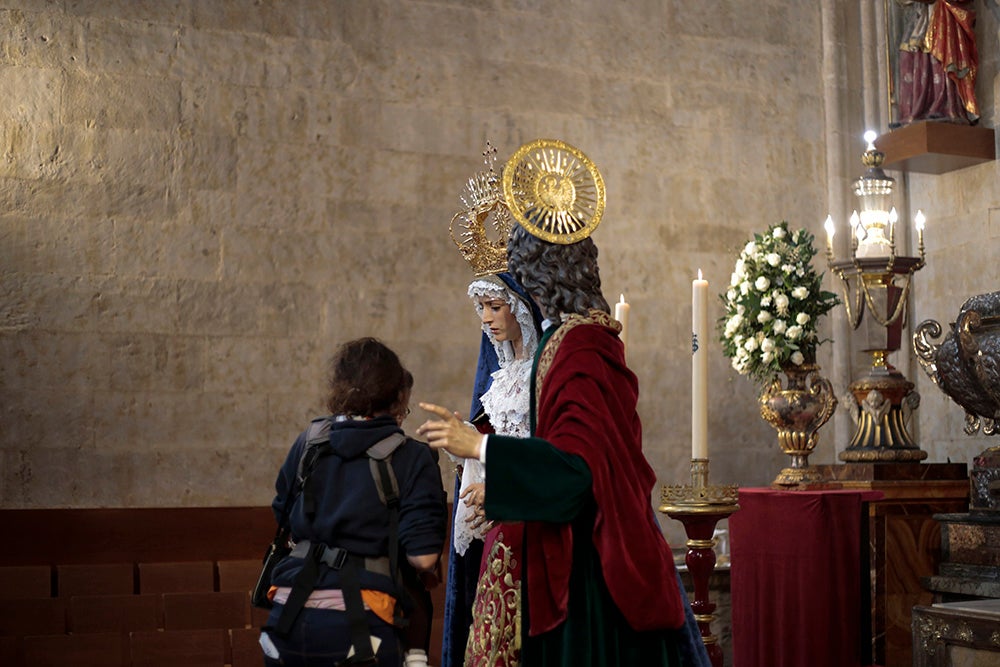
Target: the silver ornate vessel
pixel 966 365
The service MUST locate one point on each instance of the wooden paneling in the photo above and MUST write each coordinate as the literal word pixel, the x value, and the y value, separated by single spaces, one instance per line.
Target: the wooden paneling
pixel 190 648
pixel 95 579
pixel 115 613
pixel 238 575
pixel 90 650
pixel 67 536
pixel 187 577
pixel 194 611
pixel 25 581
pixel 33 616
pixel 245 648
pixel 214 551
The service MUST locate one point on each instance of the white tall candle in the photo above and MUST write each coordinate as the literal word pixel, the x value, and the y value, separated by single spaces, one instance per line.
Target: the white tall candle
pixel 621 314
pixel 699 368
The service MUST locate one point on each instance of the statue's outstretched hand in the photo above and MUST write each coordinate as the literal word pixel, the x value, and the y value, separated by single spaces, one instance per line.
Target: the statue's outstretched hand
pixel 450 432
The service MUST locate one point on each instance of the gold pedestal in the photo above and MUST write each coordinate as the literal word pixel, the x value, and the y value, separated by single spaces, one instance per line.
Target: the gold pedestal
pixel 699 507
pixel 883 404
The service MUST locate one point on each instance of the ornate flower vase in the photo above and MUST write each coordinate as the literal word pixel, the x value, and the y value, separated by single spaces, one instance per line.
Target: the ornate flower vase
pixel 797 411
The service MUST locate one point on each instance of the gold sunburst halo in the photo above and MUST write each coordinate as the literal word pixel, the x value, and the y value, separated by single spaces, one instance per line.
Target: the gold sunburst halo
pixel 554 191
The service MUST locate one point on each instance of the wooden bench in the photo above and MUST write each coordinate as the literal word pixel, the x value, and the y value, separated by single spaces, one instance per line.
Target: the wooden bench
pixel 138 587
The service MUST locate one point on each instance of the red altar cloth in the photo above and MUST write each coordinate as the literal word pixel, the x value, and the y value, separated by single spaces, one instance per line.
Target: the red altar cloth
pixel 796 578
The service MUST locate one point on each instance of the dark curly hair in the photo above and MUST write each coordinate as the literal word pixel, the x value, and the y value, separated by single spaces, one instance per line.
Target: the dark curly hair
pixel 562 278
pixel 366 378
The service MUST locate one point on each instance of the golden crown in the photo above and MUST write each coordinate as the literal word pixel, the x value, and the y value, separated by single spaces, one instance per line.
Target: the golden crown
pixel 482 229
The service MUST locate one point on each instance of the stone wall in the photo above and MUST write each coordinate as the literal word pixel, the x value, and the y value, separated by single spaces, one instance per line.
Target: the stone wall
pixel 202 198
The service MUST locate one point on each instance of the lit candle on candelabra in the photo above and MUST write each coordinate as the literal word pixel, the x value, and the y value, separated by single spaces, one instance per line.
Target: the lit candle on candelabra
pixel 856 229
pixel 699 368
pixel 830 232
pixel 893 217
pixel 919 220
pixel 621 314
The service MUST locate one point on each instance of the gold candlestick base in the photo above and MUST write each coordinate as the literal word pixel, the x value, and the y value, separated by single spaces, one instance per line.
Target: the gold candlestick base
pixel 699 493
pixel 699 506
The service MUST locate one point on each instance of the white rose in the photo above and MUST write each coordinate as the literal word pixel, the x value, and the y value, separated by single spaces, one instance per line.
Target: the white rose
pixel 750 249
pixel 763 317
pixel 740 365
pixel 800 292
pixel 765 301
pixel 750 345
pixel 767 357
pixel 797 358
pixel 744 288
pixel 773 258
pixel 802 318
pixel 781 303
pixel 741 309
pixel 734 279
pixel 741 268
pixel 779 233
pixel 762 283
pixel 780 326
pixel 767 345
pixel 794 332
pixel 788 268
pixel 731 295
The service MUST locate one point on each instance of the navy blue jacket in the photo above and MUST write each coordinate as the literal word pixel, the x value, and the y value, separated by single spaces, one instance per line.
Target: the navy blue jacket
pixel 349 513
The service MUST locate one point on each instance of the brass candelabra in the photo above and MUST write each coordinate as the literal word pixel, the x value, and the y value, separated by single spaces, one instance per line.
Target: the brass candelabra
pixel 876 280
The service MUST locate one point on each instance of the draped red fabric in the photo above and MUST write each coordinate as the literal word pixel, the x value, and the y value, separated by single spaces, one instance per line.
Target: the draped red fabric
pixel 796 578
pixel 587 407
pixel 951 39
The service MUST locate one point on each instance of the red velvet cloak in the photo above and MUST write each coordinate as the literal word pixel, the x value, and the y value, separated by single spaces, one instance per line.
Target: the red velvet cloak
pixel 586 405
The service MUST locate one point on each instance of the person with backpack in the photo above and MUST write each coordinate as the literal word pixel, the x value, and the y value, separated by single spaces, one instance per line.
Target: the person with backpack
pixel 359 497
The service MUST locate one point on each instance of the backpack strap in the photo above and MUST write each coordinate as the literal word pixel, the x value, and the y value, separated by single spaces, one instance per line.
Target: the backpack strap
pixel 350 566
pixel 317 447
pixel 379 460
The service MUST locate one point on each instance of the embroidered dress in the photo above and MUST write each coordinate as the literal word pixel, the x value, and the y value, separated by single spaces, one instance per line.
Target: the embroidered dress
pixel 495 633
pixel 495 637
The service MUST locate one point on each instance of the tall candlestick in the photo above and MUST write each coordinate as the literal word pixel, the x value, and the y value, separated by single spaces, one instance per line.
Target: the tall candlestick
pixel 699 368
pixel 621 314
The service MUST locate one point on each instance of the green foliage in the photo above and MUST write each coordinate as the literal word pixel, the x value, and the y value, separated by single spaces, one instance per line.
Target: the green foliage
pixel 773 304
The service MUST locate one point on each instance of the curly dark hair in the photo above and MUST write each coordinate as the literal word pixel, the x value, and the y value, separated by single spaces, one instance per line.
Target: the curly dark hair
pixel 366 378
pixel 562 278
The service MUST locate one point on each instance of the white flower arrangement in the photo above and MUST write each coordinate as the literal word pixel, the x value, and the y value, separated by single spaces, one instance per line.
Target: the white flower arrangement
pixel 773 304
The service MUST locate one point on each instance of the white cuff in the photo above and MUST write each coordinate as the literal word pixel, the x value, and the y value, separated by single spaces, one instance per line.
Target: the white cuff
pixel 482 449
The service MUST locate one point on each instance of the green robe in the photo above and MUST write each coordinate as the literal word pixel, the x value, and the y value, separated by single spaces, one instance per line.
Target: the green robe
pixel 530 480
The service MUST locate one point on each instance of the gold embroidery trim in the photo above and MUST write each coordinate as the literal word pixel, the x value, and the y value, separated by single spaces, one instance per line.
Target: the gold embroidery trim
pixel 495 637
pixel 549 353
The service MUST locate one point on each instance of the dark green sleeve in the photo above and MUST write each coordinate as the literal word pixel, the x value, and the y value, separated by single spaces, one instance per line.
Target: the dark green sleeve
pixel 527 479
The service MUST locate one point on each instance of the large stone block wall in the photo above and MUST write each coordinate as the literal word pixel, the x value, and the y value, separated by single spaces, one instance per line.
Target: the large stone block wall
pixel 202 198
